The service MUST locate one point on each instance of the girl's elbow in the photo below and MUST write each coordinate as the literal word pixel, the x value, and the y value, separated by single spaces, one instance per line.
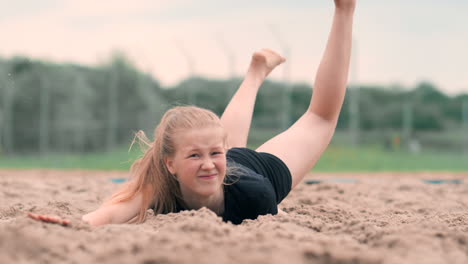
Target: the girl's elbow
pixel 96 219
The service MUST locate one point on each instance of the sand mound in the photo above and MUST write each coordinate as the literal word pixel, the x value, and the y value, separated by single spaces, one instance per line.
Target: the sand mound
pixel 375 218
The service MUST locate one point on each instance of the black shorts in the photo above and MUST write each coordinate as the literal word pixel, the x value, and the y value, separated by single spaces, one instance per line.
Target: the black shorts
pixel 265 164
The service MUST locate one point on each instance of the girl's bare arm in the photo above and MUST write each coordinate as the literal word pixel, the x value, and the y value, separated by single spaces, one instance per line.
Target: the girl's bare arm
pixel 118 213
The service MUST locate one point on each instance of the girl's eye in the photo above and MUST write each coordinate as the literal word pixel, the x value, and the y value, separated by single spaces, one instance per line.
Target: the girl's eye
pixel 194 156
pixel 216 153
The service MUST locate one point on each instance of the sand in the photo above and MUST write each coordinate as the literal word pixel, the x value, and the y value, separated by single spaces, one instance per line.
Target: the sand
pixel 381 218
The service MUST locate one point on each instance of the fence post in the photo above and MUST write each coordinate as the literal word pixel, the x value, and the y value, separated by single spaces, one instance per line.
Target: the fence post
pixel 231 59
pixel 112 109
pixel 6 129
pixel 465 125
pixel 44 111
pixel 354 117
pixel 286 95
pixel 407 122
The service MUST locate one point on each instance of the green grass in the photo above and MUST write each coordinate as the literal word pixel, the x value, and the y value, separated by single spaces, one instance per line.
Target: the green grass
pixel 335 159
pixel 119 159
pixel 375 159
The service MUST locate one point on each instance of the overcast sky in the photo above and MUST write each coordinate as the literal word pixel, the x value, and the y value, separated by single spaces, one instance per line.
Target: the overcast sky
pixel 396 42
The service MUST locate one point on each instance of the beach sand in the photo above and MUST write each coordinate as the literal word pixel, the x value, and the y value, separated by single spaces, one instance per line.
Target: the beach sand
pixel 381 218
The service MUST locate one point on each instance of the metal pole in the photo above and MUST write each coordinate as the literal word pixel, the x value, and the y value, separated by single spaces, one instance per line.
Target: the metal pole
pixel 112 109
pixel 191 68
pixel 229 55
pixel 465 125
pixel 231 59
pixel 407 122
pixel 3 88
pixel 286 98
pixel 44 110
pixel 79 105
pixel 7 124
pixel 354 123
pixel 2 125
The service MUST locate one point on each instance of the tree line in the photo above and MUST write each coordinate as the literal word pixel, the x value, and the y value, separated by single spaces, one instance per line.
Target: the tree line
pixel 50 107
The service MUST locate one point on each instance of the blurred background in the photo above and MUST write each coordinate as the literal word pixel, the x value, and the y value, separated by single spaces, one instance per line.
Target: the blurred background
pixel 79 78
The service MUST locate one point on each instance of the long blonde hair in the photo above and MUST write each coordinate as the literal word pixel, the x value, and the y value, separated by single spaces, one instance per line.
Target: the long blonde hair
pixel 149 174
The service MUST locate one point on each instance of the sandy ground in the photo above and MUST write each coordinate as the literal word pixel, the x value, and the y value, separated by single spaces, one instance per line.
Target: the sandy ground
pixel 381 218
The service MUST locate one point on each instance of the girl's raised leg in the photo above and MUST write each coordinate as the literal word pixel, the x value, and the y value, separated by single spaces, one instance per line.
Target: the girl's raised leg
pixel 301 146
pixel 238 114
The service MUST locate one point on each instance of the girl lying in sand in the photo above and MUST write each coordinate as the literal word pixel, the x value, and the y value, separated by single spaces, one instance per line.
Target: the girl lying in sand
pixel 200 160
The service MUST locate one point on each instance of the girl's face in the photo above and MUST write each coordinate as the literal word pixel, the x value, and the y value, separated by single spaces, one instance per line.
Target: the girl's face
pixel 199 162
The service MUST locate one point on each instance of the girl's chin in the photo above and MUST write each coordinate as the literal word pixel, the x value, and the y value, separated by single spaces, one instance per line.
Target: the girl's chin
pixel 207 192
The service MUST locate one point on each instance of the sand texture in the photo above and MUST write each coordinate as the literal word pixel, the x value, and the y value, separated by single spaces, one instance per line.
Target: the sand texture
pixel 380 218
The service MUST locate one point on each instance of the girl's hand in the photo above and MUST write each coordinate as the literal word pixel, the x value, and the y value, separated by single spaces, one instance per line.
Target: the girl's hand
pixel 49 219
pixel 345 4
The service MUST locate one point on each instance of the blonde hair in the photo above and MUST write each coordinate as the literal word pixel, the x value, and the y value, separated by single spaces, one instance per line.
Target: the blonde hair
pixel 149 174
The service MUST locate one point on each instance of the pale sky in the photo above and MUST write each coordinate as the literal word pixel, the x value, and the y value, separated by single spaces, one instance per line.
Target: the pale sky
pixel 396 42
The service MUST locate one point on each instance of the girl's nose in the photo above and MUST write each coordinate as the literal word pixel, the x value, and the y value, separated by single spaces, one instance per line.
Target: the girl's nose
pixel 208 164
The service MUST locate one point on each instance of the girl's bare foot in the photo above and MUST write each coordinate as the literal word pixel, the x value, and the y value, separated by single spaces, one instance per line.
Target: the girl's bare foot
pixel 347 5
pixel 49 219
pixel 265 60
